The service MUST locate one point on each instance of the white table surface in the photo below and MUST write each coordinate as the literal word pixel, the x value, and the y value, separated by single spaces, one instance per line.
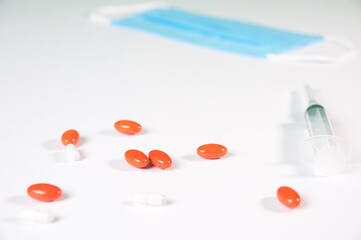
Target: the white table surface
pixel 60 71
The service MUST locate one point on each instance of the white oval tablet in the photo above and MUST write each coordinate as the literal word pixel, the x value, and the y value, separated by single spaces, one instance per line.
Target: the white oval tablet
pixel 37 215
pixel 155 199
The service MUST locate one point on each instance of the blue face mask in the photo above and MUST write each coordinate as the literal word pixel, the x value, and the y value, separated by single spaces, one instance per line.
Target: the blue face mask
pixel 222 34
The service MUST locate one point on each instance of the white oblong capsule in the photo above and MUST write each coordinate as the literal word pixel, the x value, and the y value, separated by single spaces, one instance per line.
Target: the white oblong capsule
pixel 36 215
pixel 155 199
pixel 73 152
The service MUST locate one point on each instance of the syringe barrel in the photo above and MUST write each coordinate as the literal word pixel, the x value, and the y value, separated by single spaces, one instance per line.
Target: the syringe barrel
pixel 317 121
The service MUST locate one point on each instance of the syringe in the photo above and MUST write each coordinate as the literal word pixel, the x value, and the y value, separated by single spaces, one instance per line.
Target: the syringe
pixel 328 152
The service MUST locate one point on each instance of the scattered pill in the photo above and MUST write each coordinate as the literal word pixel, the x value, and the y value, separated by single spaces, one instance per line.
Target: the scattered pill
pixel 212 151
pixel 44 192
pixel 37 215
pixel 128 127
pixel 160 159
pixel 154 199
pixel 288 197
pixel 137 158
pixel 69 139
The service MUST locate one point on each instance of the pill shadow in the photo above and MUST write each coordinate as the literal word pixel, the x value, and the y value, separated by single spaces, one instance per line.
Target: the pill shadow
pixel 228 155
pixel 62 157
pixel 109 132
pixel 26 200
pixel 304 203
pixel 82 141
pixel 53 144
pixel 194 158
pixel 15 220
pixel 143 132
pixel 273 205
pixel 153 169
pixel 23 200
pixel 134 204
pixel 114 133
pixel 56 145
pixel 122 165
pixel 19 221
pixel 129 203
pixel 63 197
pixel 175 165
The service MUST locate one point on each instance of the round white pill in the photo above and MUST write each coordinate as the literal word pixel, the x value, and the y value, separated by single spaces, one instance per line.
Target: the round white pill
pixel 155 199
pixel 36 215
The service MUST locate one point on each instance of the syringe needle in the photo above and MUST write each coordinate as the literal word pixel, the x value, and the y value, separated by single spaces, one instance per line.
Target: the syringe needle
pixel 311 97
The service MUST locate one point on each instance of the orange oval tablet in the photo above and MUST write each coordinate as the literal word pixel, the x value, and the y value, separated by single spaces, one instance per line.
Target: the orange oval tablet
pixel 128 127
pixel 288 197
pixel 212 151
pixel 137 158
pixel 160 159
pixel 44 192
pixel 70 137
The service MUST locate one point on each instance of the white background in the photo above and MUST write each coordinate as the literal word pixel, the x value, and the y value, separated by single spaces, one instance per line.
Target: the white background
pixel 60 71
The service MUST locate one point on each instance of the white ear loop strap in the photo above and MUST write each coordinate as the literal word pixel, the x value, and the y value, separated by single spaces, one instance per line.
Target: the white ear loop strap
pixel 105 15
pixel 349 47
